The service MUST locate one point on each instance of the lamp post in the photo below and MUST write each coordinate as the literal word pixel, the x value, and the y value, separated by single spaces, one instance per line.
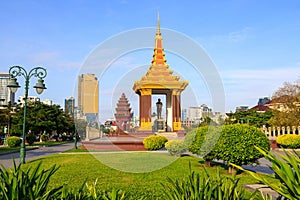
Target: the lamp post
pixel 38 72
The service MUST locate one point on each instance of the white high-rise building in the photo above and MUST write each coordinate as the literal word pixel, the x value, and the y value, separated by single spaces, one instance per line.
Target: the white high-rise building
pixel 5 94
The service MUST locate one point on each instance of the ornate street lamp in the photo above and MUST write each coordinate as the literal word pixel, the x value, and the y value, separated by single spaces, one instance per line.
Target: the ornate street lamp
pixel 38 72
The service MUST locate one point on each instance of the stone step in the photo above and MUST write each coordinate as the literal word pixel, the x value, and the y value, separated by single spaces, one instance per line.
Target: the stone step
pixel 169 135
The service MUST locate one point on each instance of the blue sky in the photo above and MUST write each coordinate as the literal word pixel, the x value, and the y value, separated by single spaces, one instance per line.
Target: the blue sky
pixel 255 45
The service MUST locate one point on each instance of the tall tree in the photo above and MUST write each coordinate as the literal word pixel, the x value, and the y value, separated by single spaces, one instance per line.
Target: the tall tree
pixel 286 100
pixel 41 117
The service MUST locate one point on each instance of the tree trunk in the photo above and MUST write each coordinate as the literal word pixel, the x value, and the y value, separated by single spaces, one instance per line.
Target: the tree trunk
pixel 207 162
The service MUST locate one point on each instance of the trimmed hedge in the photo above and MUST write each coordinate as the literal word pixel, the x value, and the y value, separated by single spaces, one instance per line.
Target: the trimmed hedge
pixel 203 140
pixel 175 147
pixel 154 142
pixel 288 141
pixel 235 144
pixel 13 141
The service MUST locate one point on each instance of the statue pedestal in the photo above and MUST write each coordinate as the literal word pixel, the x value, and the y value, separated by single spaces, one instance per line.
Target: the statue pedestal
pixel 160 124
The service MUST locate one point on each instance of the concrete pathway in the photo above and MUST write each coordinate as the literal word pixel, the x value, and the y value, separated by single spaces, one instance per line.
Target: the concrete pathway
pixel 6 159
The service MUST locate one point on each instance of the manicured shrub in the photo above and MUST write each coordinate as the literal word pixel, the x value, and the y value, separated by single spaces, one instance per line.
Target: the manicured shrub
pixel 175 147
pixel 30 138
pixel 235 144
pixel 13 141
pixel 202 141
pixel 154 142
pixel 288 141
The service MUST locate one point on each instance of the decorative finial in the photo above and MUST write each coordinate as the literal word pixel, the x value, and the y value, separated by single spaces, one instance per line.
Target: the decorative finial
pixel 158 24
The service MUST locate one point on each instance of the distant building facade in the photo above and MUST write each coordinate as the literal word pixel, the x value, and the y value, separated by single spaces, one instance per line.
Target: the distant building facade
pixel 263 101
pixel 241 108
pixel 195 115
pixel 5 94
pixel 88 96
pixel 21 100
pixel 69 105
pixel 47 102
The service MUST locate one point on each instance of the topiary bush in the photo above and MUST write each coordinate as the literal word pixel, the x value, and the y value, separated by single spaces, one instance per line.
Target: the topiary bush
pixel 202 141
pixel 30 138
pixel 235 144
pixel 154 142
pixel 13 141
pixel 288 141
pixel 175 147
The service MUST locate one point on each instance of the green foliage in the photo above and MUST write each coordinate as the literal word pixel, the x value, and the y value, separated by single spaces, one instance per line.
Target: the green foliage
pixel 86 191
pixel 154 142
pixel 204 186
pixel 203 141
pixel 13 141
pixel 33 183
pixel 288 141
pixel 250 117
pixel 42 117
pixel 287 173
pixel 27 184
pixel 30 138
pixel 235 144
pixel 175 147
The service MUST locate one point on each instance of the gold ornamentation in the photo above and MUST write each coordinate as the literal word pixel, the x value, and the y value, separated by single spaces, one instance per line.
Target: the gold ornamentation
pixel 146 92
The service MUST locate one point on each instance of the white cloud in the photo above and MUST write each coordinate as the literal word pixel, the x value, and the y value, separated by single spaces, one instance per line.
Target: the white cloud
pixel 276 74
pixel 233 37
pixel 245 86
pixel 239 36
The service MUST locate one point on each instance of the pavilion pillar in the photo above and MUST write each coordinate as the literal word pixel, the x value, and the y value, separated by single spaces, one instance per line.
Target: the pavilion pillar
pixel 145 109
pixel 176 110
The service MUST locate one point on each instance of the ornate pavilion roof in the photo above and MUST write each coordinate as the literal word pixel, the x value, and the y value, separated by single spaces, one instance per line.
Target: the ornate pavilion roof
pixel 159 76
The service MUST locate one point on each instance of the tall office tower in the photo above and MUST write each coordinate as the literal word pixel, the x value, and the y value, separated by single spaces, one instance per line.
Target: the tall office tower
pixel 69 106
pixel 88 96
pixel 5 94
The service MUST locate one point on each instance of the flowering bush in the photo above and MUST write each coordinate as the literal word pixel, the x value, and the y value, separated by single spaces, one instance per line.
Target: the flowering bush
pixel 288 141
pixel 154 142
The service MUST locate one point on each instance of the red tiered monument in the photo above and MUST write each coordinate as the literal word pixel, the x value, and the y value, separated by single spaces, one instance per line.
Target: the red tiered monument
pixel 159 79
pixel 123 114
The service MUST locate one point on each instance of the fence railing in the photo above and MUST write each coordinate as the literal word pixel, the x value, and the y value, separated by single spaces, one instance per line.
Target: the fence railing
pixel 274 132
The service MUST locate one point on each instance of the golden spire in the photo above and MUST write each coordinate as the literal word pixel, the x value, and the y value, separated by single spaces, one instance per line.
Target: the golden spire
pixel 158 25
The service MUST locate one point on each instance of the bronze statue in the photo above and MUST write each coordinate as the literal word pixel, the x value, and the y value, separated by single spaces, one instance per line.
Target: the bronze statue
pixel 159 108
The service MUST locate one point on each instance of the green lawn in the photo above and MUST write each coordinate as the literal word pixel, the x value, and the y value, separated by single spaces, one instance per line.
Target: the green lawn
pixel 137 173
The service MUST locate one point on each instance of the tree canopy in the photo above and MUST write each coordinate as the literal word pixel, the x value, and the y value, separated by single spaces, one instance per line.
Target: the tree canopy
pixel 286 102
pixel 41 117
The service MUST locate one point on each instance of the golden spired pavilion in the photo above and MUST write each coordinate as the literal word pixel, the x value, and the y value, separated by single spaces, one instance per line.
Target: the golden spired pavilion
pixel 159 79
